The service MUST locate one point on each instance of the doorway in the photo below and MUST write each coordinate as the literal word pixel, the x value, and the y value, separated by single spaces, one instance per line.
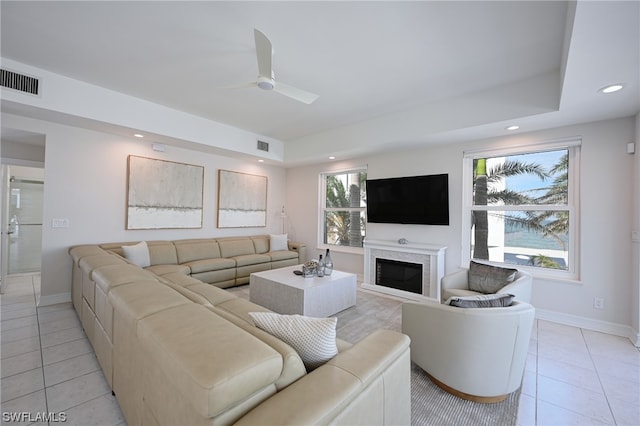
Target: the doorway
pixel 21 204
pixel 22 211
pixel 26 195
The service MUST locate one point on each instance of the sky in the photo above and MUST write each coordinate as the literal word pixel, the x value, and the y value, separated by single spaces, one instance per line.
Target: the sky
pixel 529 181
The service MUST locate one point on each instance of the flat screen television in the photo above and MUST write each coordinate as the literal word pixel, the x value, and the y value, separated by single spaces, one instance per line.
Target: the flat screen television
pixel 422 200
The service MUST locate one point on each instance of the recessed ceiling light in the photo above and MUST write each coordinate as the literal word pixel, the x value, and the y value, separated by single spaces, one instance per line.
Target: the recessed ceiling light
pixel 138 135
pixel 261 161
pixel 332 157
pixel 513 127
pixel 611 88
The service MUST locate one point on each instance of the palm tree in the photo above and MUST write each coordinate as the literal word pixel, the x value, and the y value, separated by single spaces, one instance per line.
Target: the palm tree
pixel 553 224
pixel 543 261
pixel 484 193
pixel 345 226
pixel 556 223
pixel 337 223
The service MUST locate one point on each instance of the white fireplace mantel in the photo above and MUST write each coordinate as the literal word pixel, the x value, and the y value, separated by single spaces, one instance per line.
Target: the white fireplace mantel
pixel 430 256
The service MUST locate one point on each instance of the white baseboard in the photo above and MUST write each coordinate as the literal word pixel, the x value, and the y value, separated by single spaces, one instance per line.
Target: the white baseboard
pixel 54 299
pixel 590 324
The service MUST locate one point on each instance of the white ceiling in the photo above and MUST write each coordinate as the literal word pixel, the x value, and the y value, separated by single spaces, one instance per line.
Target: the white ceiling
pixel 366 60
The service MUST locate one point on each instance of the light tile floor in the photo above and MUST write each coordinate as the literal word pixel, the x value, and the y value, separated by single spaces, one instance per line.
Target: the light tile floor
pixel 573 376
pixel 47 364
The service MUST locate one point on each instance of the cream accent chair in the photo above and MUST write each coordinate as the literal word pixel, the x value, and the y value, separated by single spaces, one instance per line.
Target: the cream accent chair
pixel 457 284
pixel 477 354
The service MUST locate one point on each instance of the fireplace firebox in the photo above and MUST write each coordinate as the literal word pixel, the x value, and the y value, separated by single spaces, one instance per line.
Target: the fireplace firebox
pixel 403 276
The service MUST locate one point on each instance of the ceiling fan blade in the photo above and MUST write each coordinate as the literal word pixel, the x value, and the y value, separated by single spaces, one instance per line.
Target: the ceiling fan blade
pixel 264 52
pixel 295 93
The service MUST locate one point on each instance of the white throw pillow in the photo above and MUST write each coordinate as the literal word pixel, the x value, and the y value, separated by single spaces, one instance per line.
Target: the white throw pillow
pixel 137 254
pixel 278 242
pixel 313 338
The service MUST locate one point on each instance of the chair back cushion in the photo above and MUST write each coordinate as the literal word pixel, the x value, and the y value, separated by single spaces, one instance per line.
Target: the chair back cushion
pixel 488 278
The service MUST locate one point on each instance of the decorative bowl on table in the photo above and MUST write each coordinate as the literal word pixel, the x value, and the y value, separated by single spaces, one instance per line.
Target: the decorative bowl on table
pixel 309 268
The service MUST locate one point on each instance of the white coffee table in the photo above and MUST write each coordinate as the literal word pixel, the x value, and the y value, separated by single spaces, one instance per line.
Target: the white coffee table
pixel 280 290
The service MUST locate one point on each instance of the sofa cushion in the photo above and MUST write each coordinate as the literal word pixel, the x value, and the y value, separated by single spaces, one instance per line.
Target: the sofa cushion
pixel 162 253
pixel 278 242
pixel 499 300
pixel 213 295
pixel 137 300
pixel 211 364
pixel 232 247
pixel 206 265
pixel 283 255
pixel 89 263
pixel 196 298
pixel 313 338
pixel 261 243
pixel 169 269
pixel 222 278
pixel 110 276
pixel 251 259
pixel 138 254
pixel 241 308
pixel 180 279
pixel 190 250
pixel 293 368
pixel 488 278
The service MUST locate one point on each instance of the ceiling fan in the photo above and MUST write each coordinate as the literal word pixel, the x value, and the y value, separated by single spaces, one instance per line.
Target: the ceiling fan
pixel 266 78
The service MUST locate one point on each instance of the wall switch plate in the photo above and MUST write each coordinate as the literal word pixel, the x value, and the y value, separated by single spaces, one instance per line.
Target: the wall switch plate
pixel 598 303
pixel 635 236
pixel 59 223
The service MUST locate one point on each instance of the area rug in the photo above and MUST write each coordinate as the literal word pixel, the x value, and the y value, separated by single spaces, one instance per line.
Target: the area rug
pixel 430 405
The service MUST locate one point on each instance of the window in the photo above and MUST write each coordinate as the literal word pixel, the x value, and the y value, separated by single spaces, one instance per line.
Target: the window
pixel 522 207
pixel 343 204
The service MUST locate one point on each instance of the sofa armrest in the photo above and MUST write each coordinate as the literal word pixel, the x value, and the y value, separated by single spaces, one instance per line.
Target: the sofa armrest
pixel 301 248
pixel 348 389
pixel 458 279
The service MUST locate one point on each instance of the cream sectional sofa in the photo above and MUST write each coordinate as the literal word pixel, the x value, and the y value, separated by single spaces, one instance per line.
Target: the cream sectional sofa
pixel 178 351
pixel 223 262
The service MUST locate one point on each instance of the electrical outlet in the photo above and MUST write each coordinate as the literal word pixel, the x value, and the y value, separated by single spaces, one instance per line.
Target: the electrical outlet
pixel 598 303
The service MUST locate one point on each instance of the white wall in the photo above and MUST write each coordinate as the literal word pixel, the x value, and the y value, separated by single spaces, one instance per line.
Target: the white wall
pixel 606 214
pixel 22 152
pixel 85 182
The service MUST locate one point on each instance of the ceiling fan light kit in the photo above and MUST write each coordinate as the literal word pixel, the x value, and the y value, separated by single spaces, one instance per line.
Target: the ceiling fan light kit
pixel 265 83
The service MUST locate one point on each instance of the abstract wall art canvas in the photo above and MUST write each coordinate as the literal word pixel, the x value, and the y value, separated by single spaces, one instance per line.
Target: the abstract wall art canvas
pixel 242 200
pixel 163 194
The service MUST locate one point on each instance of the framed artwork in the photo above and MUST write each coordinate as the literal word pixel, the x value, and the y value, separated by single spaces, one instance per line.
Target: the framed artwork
pixel 242 200
pixel 163 194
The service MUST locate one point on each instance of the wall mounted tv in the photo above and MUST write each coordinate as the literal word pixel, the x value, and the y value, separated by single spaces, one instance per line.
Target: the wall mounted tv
pixel 422 200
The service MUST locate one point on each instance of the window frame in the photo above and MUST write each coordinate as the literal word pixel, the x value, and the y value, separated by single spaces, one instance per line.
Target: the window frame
pixel 322 202
pixel 573 146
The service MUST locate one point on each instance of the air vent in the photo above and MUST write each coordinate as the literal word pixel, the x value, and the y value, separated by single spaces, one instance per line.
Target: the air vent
pixel 20 82
pixel 263 146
